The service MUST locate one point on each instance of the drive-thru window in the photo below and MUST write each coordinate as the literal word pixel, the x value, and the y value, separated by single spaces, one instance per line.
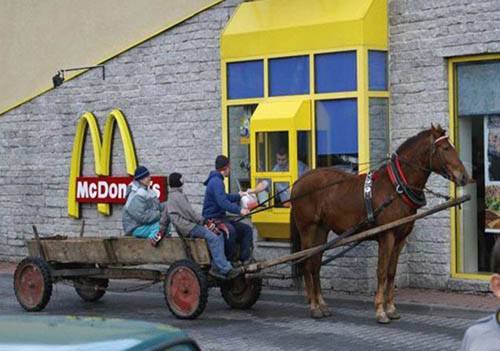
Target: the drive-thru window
pixel 319 100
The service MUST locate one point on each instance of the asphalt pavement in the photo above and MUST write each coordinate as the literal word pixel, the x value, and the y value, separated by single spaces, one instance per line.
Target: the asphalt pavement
pixel 278 321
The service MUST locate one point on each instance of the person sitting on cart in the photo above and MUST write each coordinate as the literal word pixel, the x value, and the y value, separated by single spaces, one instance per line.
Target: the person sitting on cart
pixel 188 223
pixel 143 214
pixel 215 205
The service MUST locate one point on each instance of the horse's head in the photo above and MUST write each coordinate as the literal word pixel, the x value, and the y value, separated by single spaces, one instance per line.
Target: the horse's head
pixel 444 158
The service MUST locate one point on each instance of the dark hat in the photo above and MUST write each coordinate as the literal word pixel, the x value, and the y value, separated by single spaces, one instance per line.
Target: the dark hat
pixel 175 180
pixel 140 173
pixel 221 162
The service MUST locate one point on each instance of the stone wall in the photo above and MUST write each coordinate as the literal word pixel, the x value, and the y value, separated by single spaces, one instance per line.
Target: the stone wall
pixel 422 35
pixel 169 90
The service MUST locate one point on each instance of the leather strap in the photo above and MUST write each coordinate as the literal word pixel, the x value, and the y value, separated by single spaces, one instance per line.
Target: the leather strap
pixel 398 179
pixel 368 196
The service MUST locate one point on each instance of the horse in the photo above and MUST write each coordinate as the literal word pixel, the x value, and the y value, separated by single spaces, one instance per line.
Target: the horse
pixel 327 199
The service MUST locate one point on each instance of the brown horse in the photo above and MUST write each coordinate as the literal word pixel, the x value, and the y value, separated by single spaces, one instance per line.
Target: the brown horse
pixel 318 207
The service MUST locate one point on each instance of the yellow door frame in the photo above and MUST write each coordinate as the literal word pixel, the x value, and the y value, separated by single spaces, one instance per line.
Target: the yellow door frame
pixel 456 259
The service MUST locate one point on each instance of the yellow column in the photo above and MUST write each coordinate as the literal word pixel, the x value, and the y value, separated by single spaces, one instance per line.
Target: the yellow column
pixel 363 115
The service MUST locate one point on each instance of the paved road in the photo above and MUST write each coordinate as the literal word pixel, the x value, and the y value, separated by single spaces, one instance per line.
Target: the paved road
pixel 279 321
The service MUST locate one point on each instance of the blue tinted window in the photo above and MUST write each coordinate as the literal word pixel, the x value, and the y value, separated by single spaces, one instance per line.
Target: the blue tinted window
pixel 377 68
pixel 245 79
pixel 337 127
pixel 335 72
pixel 289 76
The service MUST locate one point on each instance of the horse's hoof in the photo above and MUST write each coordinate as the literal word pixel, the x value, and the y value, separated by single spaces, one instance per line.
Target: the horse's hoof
pixel 317 313
pixel 326 311
pixel 393 314
pixel 383 319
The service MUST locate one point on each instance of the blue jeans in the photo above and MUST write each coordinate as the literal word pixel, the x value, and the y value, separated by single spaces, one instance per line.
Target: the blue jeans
pixel 215 245
pixel 147 230
pixel 239 233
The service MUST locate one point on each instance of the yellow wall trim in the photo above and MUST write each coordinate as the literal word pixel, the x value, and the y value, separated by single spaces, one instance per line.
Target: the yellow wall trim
pixel 456 259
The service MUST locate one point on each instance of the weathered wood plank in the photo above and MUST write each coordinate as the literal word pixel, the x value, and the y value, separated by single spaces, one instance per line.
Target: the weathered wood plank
pixel 123 250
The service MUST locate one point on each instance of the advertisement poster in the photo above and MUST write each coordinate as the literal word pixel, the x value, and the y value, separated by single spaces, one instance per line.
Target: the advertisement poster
pixel 492 173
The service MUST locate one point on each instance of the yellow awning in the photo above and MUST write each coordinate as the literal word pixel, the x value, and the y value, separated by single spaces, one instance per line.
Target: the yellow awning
pixel 282 115
pixel 268 27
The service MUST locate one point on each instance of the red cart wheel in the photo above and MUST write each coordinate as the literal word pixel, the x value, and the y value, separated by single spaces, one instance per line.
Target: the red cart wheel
pixel 185 289
pixel 33 284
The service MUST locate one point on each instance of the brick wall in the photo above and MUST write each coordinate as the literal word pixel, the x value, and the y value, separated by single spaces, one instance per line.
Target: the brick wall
pixel 422 34
pixel 169 90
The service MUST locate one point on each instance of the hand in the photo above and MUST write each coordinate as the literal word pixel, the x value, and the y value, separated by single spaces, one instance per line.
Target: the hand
pixel 242 193
pixel 210 225
pixel 250 191
pixel 244 211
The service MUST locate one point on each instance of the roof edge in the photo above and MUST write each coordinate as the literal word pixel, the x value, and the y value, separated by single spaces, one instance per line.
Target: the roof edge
pixel 161 31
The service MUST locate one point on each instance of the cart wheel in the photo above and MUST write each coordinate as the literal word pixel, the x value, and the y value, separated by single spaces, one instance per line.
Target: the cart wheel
pixel 91 289
pixel 241 293
pixel 33 284
pixel 185 289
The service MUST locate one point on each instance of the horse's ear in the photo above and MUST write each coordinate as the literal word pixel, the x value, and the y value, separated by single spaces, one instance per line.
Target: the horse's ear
pixel 437 129
pixel 440 129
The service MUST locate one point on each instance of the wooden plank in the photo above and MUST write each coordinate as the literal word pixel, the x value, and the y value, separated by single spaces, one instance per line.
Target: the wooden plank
pixel 109 273
pixel 122 250
pixel 169 250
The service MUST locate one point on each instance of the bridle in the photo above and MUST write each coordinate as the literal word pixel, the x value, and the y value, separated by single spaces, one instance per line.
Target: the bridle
pixel 415 199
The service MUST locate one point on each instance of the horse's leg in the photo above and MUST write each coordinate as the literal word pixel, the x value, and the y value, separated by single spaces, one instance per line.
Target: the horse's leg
pixel 390 310
pixel 308 241
pixel 385 247
pixel 323 306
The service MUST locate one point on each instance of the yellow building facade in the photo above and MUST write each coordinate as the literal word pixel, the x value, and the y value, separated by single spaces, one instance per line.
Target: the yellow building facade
pixel 302 80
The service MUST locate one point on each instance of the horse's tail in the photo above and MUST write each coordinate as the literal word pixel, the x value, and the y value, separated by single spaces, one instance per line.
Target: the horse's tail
pixel 295 247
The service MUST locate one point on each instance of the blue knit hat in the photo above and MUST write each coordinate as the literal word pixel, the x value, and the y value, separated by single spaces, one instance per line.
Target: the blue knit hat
pixel 140 173
pixel 221 162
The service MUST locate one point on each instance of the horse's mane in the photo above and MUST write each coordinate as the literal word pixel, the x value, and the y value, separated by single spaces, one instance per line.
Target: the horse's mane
pixel 412 142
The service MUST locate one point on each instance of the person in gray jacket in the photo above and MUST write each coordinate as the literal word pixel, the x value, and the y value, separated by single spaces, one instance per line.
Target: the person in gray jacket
pixel 484 334
pixel 143 214
pixel 188 223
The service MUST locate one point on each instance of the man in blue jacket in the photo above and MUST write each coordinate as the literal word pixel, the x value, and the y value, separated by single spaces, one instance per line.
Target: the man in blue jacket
pixel 215 205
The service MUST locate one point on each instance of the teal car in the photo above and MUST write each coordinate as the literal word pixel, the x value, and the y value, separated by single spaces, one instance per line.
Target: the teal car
pixel 71 333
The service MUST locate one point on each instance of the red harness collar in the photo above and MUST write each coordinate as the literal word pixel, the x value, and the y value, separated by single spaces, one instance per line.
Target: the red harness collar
pixel 394 181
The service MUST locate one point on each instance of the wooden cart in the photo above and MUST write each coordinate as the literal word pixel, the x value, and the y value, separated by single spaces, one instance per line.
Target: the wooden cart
pixel 90 262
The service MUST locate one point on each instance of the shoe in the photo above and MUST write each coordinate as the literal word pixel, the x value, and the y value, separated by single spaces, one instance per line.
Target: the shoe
pixel 233 273
pixel 214 272
pixel 236 264
pixel 157 238
pixel 249 261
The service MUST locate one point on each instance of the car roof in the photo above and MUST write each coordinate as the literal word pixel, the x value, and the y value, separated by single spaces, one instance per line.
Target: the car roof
pixel 67 333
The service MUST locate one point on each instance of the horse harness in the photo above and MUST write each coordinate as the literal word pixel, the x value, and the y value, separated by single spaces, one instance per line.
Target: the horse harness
pixel 413 199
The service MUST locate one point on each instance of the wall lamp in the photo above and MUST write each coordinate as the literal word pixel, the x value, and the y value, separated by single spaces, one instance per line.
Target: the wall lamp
pixel 58 79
